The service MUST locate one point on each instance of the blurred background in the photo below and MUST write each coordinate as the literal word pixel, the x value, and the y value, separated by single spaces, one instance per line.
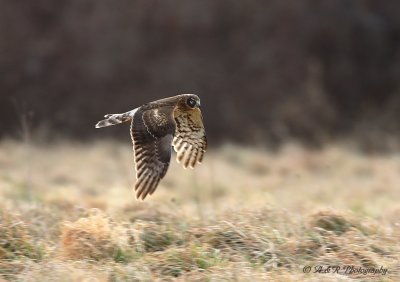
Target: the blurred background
pixel 269 71
pixel 301 104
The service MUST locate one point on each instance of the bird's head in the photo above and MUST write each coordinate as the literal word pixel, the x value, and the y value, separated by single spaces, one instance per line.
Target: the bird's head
pixel 190 101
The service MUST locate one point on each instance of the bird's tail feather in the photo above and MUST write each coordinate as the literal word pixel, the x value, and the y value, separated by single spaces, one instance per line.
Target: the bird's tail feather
pixel 113 119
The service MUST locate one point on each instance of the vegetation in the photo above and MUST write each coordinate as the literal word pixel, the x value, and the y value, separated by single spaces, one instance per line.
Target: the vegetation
pixel 243 215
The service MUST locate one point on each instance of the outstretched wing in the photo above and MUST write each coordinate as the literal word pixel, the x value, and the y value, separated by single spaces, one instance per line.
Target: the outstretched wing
pixel 190 140
pixel 152 132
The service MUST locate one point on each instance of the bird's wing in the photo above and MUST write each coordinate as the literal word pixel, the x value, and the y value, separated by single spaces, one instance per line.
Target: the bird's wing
pixel 190 140
pixel 152 132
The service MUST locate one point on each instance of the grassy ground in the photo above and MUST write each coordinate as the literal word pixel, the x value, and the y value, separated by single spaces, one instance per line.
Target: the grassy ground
pixel 68 214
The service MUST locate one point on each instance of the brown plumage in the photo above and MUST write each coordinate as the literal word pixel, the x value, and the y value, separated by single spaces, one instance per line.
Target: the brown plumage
pixel 155 127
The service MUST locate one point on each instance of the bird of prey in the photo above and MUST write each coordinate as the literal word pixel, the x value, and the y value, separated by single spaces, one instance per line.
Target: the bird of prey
pixel 156 127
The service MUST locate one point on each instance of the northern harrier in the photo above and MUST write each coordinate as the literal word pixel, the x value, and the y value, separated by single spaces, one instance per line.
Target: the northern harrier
pixel 155 127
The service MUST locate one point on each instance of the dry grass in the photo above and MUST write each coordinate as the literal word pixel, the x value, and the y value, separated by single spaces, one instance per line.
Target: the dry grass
pixel 94 237
pixel 244 215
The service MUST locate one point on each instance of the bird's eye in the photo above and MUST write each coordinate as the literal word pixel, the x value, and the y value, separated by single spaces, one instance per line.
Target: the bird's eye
pixel 191 102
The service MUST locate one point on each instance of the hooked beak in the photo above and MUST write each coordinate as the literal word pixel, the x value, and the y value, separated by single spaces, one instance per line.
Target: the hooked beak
pixel 198 104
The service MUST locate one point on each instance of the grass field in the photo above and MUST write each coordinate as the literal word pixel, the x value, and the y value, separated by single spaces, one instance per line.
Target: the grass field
pixel 68 214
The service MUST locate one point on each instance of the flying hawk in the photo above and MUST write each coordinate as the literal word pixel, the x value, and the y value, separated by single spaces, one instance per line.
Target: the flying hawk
pixel 155 128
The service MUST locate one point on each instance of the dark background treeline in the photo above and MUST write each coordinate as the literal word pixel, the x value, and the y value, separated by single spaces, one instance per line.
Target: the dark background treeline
pixel 266 71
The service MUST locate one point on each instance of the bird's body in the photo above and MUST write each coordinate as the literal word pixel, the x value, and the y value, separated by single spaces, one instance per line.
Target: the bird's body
pixel 155 128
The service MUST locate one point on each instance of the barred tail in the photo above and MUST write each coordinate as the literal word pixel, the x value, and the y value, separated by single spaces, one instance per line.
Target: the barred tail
pixel 113 119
